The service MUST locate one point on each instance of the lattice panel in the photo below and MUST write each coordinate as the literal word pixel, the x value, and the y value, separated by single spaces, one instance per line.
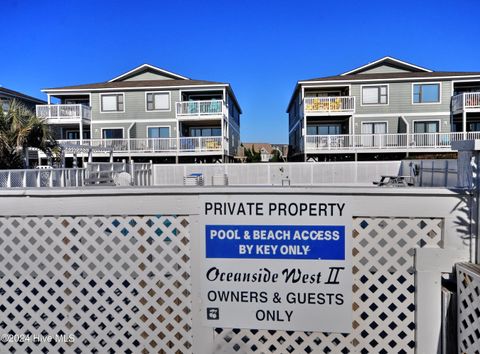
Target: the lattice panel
pixel 383 296
pixel 468 292
pixel 119 284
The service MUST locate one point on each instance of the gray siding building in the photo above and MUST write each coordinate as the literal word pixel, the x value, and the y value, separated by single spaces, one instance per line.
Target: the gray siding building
pixel 151 113
pixel 385 108
pixel 7 96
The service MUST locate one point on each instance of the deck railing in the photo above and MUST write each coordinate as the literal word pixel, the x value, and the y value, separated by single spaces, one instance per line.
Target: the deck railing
pixel 156 145
pixel 36 178
pixel 385 142
pixel 466 100
pixel 339 104
pixel 200 108
pixel 64 111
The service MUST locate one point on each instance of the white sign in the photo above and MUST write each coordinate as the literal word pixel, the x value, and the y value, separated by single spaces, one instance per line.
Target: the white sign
pixel 276 262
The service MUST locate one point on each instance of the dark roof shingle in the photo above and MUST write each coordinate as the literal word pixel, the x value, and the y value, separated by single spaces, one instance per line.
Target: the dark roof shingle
pixel 12 93
pixel 386 76
pixel 140 83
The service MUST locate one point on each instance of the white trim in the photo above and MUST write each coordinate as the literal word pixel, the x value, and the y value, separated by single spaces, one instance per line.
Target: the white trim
pixel 104 128
pixel 427 120
pixel 372 122
pixel 158 110
pixel 107 121
pixel 159 126
pixel 374 104
pixel 111 94
pixel 426 114
pixel 427 83
pixel 148 66
pixel 383 59
pixel 109 89
pixel 384 79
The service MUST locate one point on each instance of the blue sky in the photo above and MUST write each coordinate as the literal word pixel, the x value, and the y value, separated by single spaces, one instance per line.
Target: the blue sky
pixel 261 47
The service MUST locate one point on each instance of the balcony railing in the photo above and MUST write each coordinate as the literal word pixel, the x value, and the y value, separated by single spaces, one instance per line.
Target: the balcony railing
pixel 157 145
pixel 385 142
pixel 195 109
pixel 342 104
pixel 64 111
pixel 466 101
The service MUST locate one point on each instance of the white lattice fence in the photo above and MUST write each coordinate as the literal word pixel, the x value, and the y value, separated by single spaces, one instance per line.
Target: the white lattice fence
pixel 118 284
pixel 468 293
pixel 383 296
pixel 121 284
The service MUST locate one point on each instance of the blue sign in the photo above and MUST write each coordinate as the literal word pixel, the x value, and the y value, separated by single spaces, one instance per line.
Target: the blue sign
pixel 326 242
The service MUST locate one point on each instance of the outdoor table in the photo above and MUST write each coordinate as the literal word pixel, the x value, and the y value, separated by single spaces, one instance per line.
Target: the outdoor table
pixel 394 181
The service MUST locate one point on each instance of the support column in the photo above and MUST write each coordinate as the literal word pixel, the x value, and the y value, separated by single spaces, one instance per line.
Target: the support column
pixel 464 116
pixel 80 128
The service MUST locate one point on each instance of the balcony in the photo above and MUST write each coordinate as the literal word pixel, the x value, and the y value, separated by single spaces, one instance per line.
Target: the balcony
pixel 201 109
pixel 166 146
pixel 468 102
pixel 418 142
pixel 329 105
pixel 64 113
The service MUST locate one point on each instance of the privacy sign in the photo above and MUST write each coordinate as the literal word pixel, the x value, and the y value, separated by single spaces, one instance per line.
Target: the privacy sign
pixel 282 262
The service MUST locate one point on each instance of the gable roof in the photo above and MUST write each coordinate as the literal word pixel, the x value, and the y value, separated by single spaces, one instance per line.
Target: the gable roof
pixel 394 76
pixel 387 61
pixel 19 95
pixel 148 67
pixel 136 85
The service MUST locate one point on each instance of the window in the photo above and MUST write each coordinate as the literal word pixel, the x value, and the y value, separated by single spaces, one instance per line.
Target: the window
pixel 324 129
pixel 75 134
pixel 158 132
pixel 473 127
pixel 112 133
pixel 112 103
pixel 375 94
pixel 426 93
pixel 205 132
pixel 158 101
pixel 426 127
pixel 5 105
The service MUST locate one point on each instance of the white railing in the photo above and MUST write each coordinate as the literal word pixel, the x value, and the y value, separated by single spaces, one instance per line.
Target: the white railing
pixel 156 145
pixel 296 173
pixel 36 178
pixel 200 108
pixel 136 173
pixel 339 104
pixel 200 144
pixel 359 142
pixel 467 100
pixel 64 111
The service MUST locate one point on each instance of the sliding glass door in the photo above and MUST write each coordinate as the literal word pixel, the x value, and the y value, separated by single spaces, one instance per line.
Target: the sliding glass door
pixel 374 133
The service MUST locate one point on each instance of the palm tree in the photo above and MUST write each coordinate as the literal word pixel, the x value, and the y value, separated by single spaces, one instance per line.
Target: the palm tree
pixel 21 129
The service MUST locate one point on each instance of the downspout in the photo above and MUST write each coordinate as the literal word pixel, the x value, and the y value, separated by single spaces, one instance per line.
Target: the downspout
pixel 407 124
pixel 408 130
pixel 128 142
